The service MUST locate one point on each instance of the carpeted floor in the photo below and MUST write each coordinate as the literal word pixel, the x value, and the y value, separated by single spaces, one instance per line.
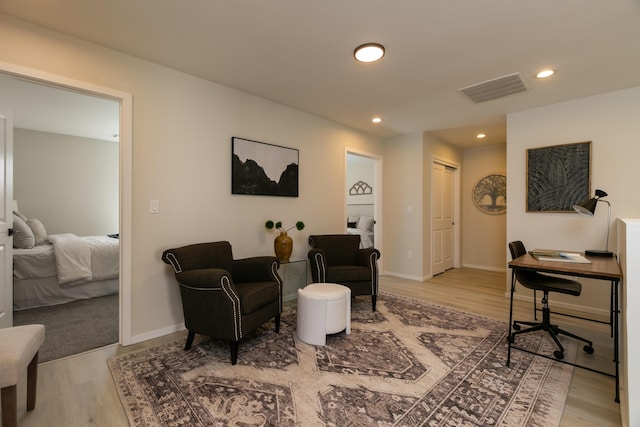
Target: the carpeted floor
pixel 74 327
pixel 409 364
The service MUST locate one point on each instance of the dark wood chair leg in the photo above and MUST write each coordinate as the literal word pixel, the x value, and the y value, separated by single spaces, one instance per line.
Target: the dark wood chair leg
pixel 277 323
pixel 190 338
pixel 9 406
pixel 32 383
pixel 374 298
pixel 233 346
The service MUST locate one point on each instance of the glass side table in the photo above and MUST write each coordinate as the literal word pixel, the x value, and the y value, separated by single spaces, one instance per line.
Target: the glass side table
pixel 294 277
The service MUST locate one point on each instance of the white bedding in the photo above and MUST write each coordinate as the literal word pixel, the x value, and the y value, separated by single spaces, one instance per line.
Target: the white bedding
pixel 366 237
pixel 74 260
pixel 37 282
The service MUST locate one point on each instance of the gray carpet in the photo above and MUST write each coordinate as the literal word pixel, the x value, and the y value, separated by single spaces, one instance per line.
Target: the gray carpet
pixel 74 327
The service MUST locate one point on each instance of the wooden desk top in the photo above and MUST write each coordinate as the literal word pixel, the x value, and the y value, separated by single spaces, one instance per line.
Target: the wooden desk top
pixel 606 268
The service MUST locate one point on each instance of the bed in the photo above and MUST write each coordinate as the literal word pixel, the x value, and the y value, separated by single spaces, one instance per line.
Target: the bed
pixel 65 268
pixel 362 225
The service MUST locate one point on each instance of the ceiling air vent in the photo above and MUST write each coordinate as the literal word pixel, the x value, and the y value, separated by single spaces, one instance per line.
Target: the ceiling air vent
pixel 495 88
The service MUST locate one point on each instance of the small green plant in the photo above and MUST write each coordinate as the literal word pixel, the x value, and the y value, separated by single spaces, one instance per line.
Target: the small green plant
pixel 278 225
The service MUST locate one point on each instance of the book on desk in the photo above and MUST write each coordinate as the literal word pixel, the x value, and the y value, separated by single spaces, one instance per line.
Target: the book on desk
pixel 558 256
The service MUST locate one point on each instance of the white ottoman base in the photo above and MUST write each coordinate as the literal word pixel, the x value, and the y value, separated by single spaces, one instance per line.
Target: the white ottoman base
pixel 323 308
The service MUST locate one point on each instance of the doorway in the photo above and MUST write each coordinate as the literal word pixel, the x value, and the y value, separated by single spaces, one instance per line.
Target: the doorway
pixel 363 195
pixel 445 213
pixel 124 110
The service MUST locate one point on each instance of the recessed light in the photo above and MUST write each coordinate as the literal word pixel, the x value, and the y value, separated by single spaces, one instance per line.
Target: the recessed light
pixel 545 73
pixel 376 120
pixel 369 52
pixel 481 135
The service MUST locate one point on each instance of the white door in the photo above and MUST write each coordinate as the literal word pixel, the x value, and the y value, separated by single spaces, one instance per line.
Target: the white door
pixel 442 214
pixel 6 217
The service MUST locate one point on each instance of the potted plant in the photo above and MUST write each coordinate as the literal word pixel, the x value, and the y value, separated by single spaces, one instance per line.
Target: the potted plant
pixel 283 244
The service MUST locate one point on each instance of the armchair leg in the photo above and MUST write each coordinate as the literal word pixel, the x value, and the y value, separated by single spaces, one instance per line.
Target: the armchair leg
pixel 277 319
pixel 374 298
pixel 190 337
pixel 233 346
pixel 10 406
pixel 32 383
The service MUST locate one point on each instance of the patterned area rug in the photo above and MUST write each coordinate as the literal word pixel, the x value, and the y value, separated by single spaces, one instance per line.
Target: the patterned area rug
pixel 410 363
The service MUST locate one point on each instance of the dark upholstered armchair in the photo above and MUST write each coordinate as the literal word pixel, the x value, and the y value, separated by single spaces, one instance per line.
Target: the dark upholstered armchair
pixel 222 297
pixel 337 258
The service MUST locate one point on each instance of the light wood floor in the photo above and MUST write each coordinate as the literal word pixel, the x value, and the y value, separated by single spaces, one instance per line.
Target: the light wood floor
pixel 79 390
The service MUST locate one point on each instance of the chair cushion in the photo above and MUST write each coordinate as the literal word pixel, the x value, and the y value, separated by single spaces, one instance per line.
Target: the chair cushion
pixel 348 273
pixel 255 295
pixel 18 345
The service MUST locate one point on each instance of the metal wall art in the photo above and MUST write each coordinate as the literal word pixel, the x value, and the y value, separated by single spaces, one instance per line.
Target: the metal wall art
pixel 558 177
pixel 490 193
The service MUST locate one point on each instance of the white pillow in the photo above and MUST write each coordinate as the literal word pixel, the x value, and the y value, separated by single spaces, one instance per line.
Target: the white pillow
pixel 39 232
pixel 23 237
pixel 365 223
pixel 16 213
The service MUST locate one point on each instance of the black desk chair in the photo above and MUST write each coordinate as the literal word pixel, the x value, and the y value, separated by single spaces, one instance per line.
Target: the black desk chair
pixel 545 284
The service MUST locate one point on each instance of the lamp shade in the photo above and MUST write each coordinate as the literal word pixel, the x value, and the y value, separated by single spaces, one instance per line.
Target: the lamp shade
pixel 586 208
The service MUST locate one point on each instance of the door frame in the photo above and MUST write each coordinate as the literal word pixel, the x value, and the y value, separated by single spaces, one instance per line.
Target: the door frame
pixel 125 166
pixel 377 194
pixel 456 211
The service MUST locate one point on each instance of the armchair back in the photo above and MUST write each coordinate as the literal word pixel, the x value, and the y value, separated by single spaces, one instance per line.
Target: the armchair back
pixel 200 256
pixel 339 249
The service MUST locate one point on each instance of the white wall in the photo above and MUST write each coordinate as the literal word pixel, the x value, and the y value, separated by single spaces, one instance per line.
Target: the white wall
pixel 483 235
pixel 182 129
pixel 629 247
pixel 403 207
pixel 69 183
pixel 611 122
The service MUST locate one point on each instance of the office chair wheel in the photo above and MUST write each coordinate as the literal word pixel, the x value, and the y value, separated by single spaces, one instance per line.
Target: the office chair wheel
pixel 558 354
pixel 588 349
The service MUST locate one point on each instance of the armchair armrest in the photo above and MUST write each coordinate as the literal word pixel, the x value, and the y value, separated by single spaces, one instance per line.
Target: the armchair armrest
pixel 256 269
pixel 368 257
pixel 205 278
pixel 318 264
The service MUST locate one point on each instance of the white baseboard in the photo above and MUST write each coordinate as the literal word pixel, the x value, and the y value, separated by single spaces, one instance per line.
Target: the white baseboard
pixel 483 267
pixel 157 333
pixel 406 276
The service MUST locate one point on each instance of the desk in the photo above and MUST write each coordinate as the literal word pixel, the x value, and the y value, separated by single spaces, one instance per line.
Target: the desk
pixel 601 268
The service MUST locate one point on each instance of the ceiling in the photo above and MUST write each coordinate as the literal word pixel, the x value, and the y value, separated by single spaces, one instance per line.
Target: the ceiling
pixel 300 53
pixel 49 109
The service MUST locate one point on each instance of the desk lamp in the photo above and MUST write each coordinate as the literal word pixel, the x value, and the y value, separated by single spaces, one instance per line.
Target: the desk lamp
pixel 587 208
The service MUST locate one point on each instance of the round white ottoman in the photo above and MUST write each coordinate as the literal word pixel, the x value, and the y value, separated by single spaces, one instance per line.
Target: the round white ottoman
pixel 323 308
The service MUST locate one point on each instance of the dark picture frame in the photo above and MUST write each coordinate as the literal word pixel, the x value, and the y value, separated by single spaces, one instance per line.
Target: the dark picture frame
pixel 558 177
pixel 262 169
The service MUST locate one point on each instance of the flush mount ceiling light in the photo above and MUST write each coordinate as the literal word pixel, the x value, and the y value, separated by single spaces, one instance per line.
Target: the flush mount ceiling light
pixel 481 135
pixel 376 120
pixel 545 73
pixel 369 52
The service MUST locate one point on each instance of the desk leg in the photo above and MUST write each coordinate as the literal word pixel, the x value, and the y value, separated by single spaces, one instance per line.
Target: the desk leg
pixel 616 327
pixel 509 337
